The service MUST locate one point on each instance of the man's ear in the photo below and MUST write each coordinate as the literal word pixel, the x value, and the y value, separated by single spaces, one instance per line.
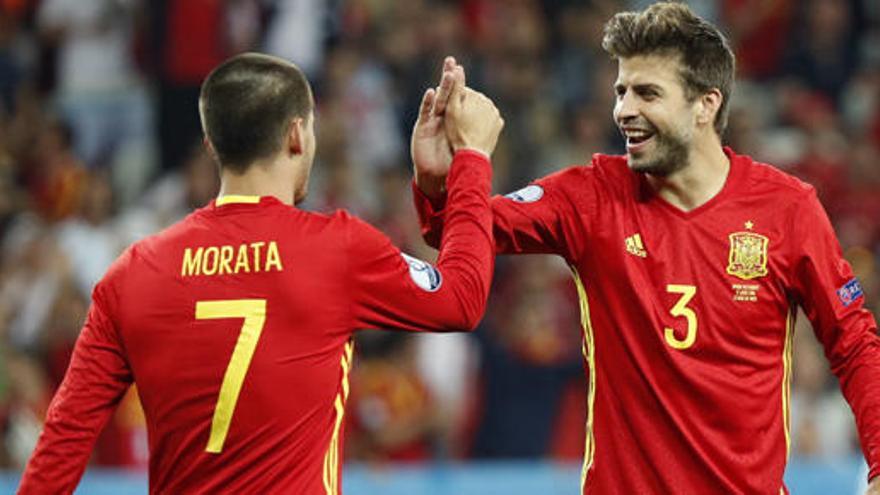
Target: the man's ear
pixel 296 136
pixel 709 106
pixel 210 148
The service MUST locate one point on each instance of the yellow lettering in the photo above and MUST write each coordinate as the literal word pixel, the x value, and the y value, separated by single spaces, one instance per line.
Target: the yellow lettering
pixel 225 260
pixel 273 258
pixel 228 259
pixel 210 267
pixel 241 261
pixel 255 247
pixel 192 263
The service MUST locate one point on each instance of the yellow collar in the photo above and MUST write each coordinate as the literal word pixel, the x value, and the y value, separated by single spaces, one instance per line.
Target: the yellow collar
pixel 236 198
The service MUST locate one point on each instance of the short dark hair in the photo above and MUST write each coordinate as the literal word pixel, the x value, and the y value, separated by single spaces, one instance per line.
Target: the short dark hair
pixel 246 105
pixel 671 27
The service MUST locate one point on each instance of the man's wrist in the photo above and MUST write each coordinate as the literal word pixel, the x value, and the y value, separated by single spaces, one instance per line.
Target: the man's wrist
pixel 434 187
pixel 478 151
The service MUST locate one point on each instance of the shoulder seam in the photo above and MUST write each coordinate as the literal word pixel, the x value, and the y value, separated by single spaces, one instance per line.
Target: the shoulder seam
pixel 784 179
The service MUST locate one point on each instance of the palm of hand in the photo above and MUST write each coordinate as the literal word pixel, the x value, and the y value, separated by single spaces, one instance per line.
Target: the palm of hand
pixel 430 148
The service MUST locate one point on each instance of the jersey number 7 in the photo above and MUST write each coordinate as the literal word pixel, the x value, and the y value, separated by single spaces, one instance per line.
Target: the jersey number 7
pixel 254 313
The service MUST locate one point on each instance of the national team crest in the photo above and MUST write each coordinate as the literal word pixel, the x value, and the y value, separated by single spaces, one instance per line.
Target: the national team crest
pixel 748 255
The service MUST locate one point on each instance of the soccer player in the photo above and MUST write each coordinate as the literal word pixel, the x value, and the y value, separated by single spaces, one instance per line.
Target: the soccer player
pixel 236 323
pixel 690 261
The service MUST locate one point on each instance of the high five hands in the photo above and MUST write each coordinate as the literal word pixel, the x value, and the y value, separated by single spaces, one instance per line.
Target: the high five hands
pixel 451 117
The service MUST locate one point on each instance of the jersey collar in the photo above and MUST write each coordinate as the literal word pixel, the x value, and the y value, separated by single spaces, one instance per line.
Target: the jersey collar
pixel 236 199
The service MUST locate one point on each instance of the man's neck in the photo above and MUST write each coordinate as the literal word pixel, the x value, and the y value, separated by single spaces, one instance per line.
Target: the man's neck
pixel 699 181
pixel 261 179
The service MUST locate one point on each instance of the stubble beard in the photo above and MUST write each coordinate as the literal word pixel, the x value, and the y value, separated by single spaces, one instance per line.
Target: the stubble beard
pixel 669 156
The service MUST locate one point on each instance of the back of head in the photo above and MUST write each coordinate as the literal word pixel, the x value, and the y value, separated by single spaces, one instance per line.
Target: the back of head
pixel 672 28
pixel 247 104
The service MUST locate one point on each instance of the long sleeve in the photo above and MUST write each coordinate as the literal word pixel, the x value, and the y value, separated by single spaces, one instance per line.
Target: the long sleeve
pixel 96 380
pixel 530 220
pixel 834 303
pixel 392 290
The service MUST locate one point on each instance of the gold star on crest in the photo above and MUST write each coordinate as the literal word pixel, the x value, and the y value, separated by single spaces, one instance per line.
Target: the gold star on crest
pixel 749 224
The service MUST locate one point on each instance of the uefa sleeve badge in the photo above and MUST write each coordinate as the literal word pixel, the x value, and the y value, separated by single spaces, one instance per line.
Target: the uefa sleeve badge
pixel 424 274
pixel 528 194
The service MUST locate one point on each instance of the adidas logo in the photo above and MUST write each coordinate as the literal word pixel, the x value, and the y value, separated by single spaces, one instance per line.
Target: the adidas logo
pixel 634 246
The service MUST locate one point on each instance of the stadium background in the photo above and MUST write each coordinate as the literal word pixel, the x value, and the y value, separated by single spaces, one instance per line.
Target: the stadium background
pixel 99 146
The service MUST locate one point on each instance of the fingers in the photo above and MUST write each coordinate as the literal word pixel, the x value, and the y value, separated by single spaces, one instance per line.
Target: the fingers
pixel 427 103
pixel 449 63
pixel 458 73
pixel 457 96
pixel 452 72
pixel 447 81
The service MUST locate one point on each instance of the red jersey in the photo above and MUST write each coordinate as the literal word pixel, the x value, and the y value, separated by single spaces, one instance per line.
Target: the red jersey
pixel 688 319
pixel 236 326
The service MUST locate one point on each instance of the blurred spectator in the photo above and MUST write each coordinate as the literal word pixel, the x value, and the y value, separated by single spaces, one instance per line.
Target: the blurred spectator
pixel 393 417
pixel 177 194
pixel 530 354
pixel 189 38
pixel 822 425
pixel 759 31
pixel 99 89
pixel 359 90
pixel 90 240
pixel 33 272
pixel 57 179
pixel 24 406
pixel 824 50
pixel 297 31
pixel 12 72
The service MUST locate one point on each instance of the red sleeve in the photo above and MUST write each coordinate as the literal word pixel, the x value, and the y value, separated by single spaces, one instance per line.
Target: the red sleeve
pixel 391 291
pixel 530 220
pixel 96 379
pixel 832 299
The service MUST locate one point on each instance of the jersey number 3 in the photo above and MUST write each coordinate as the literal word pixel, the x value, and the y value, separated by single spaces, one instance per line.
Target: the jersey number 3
pixel 681 309
pixel 254 313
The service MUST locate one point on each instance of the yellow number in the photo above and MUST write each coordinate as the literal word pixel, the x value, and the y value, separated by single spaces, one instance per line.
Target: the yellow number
pixel 680 309
pixel 254 313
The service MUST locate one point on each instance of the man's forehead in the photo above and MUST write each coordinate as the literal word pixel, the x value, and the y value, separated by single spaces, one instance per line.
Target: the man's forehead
pixel 648 69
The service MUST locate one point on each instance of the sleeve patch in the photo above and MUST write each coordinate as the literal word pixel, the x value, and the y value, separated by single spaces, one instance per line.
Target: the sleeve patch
pixel 850 292
pixel 528 194
pixel 424 274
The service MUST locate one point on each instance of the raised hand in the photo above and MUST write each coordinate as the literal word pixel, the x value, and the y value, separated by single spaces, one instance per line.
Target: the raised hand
pixel 431 152
pixel 472 121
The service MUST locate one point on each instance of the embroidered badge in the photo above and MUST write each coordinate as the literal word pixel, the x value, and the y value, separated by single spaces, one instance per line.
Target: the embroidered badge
pixel 748 255
pixel 850 292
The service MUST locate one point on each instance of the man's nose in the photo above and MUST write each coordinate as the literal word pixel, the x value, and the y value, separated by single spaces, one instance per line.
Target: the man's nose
pixel 626 107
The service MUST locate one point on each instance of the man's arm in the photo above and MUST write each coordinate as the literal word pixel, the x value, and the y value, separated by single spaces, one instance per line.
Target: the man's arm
pixel 96 380
pixel 391 291
pixel 527 221
pixel 833 301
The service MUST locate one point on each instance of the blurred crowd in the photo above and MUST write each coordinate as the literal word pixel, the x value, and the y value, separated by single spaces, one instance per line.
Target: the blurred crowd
pixel 100 146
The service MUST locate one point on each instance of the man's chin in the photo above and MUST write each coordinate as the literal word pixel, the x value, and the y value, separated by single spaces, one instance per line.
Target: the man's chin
pixel 638 163
pixel 648 167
